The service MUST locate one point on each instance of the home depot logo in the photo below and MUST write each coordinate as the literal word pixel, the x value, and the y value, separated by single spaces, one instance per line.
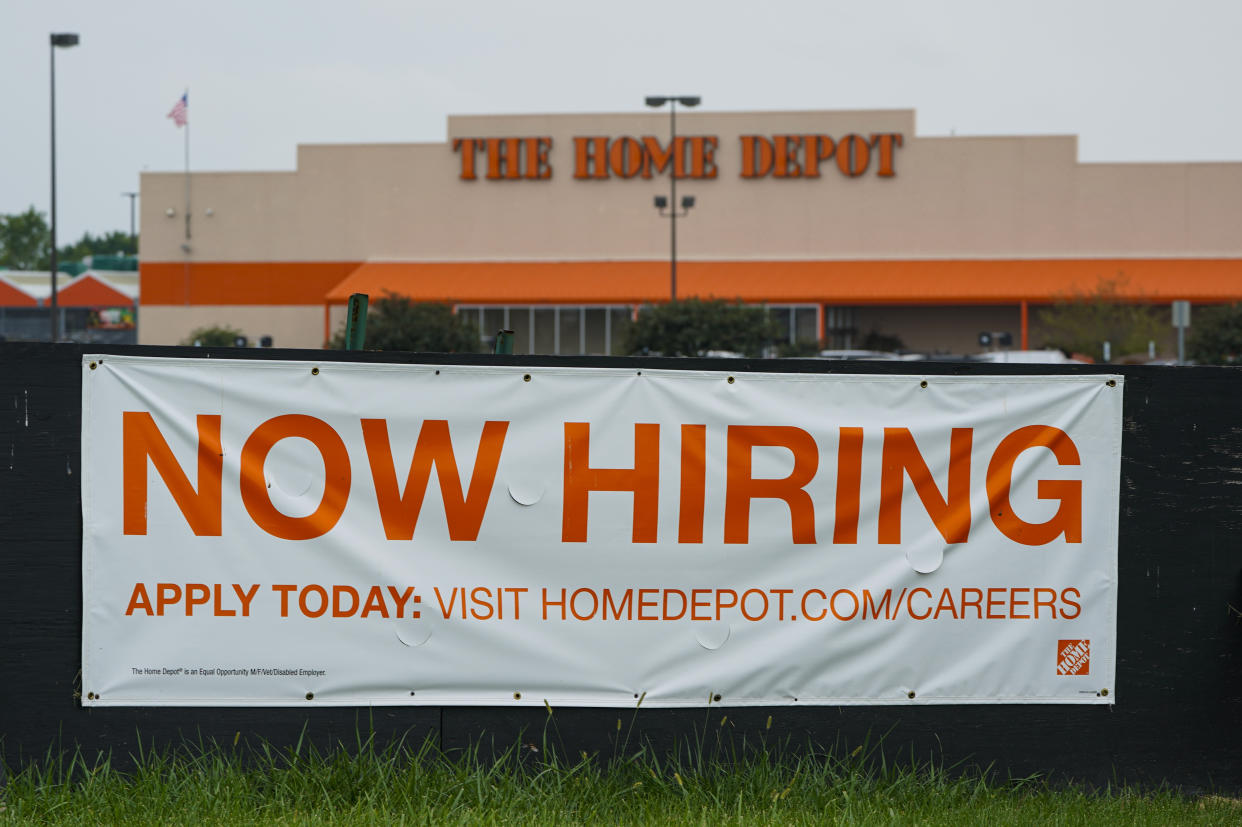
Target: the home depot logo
pixel 1073 657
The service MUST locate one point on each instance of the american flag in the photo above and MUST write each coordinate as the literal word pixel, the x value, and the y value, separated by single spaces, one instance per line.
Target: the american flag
pixel 179 112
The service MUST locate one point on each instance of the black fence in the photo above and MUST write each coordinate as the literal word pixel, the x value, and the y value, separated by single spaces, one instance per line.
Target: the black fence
pixel 1179 667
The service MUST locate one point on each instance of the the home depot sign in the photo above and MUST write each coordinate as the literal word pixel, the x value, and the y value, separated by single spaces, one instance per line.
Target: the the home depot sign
pixel 599 157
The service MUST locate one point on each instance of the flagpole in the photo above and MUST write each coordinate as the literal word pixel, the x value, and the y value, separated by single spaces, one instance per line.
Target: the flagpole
pixel 187 173
pixel 186 246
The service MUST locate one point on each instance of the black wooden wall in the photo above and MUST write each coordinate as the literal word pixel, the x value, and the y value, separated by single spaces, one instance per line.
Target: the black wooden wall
pixel 1179 668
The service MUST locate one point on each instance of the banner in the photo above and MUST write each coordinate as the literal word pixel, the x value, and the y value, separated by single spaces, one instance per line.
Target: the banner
pixel 284 533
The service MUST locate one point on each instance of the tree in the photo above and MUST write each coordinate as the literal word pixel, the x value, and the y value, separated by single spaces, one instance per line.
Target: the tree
pixel 399 323
pixel 213 336
pixel 1083 322
pixel 25 241
pixel 1216 336
pixel 107 244
pixel 691 327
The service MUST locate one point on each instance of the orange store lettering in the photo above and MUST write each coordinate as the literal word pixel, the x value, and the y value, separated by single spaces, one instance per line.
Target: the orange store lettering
pixel 693 157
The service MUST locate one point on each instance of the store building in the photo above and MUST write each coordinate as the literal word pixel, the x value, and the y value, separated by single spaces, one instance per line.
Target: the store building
pixel 99 306
pixel 841 222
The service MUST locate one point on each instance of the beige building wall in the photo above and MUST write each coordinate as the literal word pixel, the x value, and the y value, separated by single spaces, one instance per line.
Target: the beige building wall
pixel 995 197
pixel 294 326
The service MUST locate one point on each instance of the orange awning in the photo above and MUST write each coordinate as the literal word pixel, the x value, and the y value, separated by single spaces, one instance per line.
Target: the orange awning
pixel 88 291
pixel 13 296
pixel 924 281
pixel 990 281
pixel 240 282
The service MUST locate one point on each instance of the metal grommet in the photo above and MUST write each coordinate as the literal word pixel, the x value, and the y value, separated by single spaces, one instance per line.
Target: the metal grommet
pixel 526 378
pixel 1112 383
pixel 910 694
pixel 412 694
pixel 730 380
pixel 90 696
pixel 517 696
pixel 1104 692
pixel 314 371
pixel 94 365
pixel 716 697
pixel 437 373
pixel 310 696
pixel 923 384
pixel 640 373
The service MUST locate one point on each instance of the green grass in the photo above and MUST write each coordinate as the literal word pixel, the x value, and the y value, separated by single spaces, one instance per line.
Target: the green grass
pixel 221 785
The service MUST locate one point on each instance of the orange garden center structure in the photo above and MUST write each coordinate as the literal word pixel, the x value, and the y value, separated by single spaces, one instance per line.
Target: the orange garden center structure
pixel 840 222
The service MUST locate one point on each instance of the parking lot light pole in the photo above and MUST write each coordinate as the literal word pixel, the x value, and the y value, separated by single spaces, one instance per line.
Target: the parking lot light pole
pixel 63 40
pixel 656 101
pixel 133 227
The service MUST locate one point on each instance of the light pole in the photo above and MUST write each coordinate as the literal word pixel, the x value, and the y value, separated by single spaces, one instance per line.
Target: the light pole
pixel 656 101
pixel 64 40
pixel 133 233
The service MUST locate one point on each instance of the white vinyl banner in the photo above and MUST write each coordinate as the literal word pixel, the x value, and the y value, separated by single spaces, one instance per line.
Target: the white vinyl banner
pixel 284 533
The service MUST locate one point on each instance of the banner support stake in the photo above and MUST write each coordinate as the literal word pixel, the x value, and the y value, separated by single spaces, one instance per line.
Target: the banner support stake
pixel 356 321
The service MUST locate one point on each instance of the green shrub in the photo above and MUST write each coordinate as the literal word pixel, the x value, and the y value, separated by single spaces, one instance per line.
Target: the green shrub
pixel 692 327
pixel 399 323
pixel 213 336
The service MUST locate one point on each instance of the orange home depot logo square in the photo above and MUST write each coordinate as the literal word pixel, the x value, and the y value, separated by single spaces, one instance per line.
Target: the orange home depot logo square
pixel 1073 657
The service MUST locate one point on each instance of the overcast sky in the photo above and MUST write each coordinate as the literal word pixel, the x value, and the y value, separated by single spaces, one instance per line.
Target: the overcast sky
pixel 1141 80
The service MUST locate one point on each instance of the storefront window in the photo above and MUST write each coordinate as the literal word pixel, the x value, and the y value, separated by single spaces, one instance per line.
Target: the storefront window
pixel 619 322
pixel 567 330
pixel 570 324
pixel 806 324
pixel 795 323
pixel 519 323
pixel 780 317
pixel 596 330
pixel 493 321
pixel 840 329
pixel 545 330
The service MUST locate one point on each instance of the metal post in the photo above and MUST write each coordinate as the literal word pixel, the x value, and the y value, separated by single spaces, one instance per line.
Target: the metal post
pixel 1181 320
pixel 675 157
pixel 133 228
pixel 672 199
pixel 65 39
pixel 52 314
pixel 504 343
pixel 187 180
pixel 356 322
